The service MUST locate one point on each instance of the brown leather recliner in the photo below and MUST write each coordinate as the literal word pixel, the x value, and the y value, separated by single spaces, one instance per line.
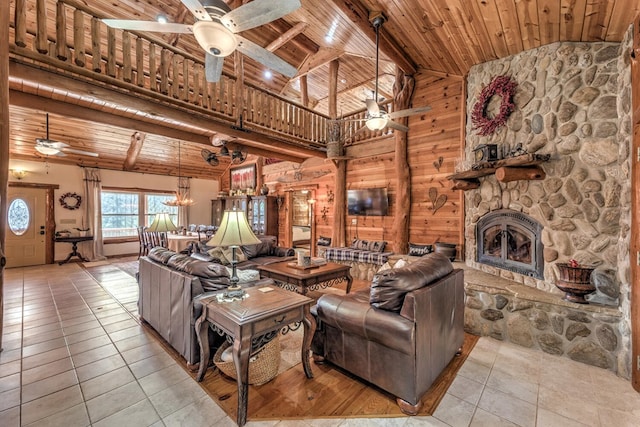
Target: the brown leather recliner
pixel 399 334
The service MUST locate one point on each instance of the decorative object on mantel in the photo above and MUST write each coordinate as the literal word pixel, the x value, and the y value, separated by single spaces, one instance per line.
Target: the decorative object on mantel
pixel 575 281
pixel 505 88
pixel 438 163
pixel 71 201
pixel 436 201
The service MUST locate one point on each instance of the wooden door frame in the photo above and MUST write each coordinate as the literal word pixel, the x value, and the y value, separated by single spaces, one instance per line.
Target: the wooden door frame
pixel 50 215
pixel 288 203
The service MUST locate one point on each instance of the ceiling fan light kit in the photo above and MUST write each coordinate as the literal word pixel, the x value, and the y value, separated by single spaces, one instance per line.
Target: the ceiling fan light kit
pixel 376 123
pixel 44 149
pixel 215 38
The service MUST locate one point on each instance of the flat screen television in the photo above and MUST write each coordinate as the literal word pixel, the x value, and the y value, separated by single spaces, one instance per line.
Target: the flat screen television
pixel 368 202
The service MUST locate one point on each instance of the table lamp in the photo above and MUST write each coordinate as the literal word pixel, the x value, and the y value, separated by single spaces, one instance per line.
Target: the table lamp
pixel 162 223
pixel 234 231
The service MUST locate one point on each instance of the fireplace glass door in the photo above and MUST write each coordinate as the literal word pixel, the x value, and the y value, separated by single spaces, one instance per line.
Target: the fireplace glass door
pixel 510 240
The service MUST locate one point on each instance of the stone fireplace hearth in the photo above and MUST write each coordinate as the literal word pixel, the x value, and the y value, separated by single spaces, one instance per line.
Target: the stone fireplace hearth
pixel 573 104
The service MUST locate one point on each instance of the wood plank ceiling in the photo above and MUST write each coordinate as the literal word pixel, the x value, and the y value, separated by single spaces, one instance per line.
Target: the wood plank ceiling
pixel 438 36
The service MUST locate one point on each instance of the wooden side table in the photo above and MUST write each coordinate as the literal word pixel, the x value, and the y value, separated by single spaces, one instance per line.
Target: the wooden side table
pixel 74 247
pixel 250 322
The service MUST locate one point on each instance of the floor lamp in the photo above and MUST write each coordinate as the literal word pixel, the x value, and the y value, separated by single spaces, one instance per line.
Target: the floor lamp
pixel 234 231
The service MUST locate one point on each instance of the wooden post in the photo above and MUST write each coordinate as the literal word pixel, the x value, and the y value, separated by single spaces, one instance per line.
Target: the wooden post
pixel 139 62
pixel 402 92
pixel 21 23
pixel 238 65
pixel 4 144
pixel 96 60
pixel 61 32
pixel 78 37
pixel 111 52
pixel 339 207
pixel 42 44
pixel 126 57
pixel 304 91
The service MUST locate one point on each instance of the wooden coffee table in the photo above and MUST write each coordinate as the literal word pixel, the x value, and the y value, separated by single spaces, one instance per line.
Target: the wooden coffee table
pixel 252 322
pixel 301 281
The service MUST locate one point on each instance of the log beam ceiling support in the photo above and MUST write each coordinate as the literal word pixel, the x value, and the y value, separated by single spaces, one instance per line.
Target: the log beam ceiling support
pixel 403 91
pixel 357 13
pixel 339 207
pixel 137 141
pixel 287 36
pixel 323 57
pixel 192 126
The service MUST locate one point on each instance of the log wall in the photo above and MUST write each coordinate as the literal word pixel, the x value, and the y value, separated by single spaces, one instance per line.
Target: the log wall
pixel 433 135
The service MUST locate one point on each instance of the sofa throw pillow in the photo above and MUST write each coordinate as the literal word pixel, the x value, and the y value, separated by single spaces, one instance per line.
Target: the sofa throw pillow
pixel 387 266
pixel 161 254
pixel 218 253
pixel 376 245
pixel 228 254
pixel 324 241
pixel 389 287
pixel 419 250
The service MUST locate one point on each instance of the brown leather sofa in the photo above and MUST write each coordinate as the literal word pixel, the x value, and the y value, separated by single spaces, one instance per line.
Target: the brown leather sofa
pixel 400 333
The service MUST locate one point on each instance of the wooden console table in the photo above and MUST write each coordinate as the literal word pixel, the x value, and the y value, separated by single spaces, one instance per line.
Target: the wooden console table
pixel 251 322
pixel 74 247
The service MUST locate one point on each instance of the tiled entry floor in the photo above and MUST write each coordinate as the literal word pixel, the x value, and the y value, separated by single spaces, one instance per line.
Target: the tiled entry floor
pixel 74 356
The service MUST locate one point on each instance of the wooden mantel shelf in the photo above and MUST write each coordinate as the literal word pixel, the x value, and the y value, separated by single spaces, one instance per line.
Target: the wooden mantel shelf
pixel 514 167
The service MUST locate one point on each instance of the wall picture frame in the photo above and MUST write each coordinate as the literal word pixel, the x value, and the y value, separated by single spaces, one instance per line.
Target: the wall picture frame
pixel 243 177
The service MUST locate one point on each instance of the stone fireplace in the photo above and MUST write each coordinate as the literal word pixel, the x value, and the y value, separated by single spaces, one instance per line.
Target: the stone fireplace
pixel 512 241
pixel 572 104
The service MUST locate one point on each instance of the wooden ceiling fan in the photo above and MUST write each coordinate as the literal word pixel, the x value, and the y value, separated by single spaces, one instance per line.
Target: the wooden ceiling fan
pixel 49 147
pixel 216 31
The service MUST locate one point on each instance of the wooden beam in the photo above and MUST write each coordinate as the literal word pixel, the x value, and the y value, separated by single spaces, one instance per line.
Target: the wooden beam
pixel 300 41
pixel 304 91
pixel 507 174
pixel 150 113
pixel 287 36
pixel 324 56
pixel 359 15
pixel 333 89
pixel 137 141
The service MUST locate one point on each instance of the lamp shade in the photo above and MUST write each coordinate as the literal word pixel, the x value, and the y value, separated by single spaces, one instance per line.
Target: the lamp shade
pixel 162 222
pixel 234 230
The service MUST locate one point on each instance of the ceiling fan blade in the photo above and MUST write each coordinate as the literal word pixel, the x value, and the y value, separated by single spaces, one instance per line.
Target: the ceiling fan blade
pixel 213 68
pixel 372 107
pixel 197 9
pixel 265 57
pixel 51 143
pixel 152 26
pixel 397 126
pixel 409 112
pixel 256 13
pixel 81 152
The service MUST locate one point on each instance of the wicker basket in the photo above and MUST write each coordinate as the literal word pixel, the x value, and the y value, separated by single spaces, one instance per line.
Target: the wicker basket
pixel 263 365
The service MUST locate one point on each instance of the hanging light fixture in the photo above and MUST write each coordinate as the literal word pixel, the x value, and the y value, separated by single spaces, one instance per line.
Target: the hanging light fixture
pixel 182 198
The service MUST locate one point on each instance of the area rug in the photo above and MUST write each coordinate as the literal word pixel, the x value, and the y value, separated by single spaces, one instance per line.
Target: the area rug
pixel 332 393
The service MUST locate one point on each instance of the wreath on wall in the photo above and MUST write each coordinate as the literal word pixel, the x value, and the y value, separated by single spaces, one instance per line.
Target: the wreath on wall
pixel 70 201
pixel 505 88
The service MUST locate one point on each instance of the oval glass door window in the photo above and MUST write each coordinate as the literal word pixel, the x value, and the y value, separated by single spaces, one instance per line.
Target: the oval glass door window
pixel 18 217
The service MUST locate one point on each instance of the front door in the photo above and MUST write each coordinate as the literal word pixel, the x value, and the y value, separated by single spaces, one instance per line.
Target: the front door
pixel 26 222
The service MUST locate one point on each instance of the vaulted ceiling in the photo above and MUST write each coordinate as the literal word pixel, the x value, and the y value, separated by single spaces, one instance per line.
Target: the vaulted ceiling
pixel 444 37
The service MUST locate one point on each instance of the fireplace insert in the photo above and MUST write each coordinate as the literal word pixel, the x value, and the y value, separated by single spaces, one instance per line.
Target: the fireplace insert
pixel 510 240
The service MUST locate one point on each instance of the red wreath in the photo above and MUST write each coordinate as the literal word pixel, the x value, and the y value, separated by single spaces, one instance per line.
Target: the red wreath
pixel 505 88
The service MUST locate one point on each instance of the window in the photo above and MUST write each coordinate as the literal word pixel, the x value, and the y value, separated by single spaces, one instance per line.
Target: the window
pixel 123 211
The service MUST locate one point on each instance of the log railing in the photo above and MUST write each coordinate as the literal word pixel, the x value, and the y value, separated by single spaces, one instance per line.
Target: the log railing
pixel 73 39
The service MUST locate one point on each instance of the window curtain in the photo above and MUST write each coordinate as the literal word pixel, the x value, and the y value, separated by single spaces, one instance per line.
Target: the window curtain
pixel 184 189
pixel 94 250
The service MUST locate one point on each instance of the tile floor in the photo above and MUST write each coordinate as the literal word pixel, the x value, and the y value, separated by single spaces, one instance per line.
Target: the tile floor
pixel 75 356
